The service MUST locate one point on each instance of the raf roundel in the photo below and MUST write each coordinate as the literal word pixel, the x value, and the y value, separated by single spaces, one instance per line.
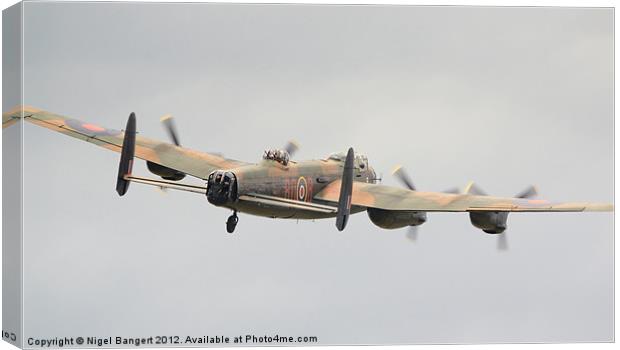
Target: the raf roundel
pixel 301 189
pixel 90 128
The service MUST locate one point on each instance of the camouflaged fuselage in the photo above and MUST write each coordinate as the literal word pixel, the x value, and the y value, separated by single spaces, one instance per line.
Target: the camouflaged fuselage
pixel 297 181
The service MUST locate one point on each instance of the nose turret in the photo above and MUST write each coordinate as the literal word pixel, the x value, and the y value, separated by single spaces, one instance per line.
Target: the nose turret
pixel 221 187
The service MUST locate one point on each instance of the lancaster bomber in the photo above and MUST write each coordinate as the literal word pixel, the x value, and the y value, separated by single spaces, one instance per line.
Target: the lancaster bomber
pixel 279 187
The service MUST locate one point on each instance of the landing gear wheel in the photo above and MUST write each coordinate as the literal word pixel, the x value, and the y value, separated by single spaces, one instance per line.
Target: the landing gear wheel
pixel 231 223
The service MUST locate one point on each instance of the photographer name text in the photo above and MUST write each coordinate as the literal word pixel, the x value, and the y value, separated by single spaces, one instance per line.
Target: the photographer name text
pixel 59 342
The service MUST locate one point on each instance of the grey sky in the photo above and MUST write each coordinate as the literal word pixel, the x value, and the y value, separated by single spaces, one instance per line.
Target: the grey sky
pixel 502 96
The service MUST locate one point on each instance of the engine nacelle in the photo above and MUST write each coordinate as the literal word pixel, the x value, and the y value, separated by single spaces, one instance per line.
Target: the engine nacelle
pixel 489 222
pixel 392 219
pixel 165 172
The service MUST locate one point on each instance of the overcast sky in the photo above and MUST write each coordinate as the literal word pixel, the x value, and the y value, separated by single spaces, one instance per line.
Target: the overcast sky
pixel 506 97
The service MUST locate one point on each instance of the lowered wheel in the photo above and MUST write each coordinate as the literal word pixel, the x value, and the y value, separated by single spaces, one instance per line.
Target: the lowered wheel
pixel 231 223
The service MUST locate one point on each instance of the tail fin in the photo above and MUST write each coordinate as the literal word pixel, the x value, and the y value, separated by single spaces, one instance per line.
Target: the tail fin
pixel 126 163
pixel 346 189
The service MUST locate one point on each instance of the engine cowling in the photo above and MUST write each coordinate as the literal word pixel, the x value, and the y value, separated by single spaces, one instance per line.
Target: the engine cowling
pixel 392 219
pixel 489 222
pixel 165 172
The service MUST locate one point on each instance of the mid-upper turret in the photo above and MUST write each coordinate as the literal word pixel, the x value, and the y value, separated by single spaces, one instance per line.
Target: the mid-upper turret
pixel 279 155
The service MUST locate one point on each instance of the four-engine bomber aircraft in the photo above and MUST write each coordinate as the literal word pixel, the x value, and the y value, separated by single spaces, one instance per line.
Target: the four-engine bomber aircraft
pixel 278 187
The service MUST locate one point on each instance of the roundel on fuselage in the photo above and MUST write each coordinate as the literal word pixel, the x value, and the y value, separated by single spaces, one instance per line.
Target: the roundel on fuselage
pixel 302 189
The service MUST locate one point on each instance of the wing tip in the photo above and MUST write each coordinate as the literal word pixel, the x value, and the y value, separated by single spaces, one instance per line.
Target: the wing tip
pixel 14 114
pixel 20 108
pixel 599 207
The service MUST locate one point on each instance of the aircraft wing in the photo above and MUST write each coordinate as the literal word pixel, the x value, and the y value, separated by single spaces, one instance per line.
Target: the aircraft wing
pixel 198 164
pixel 394 198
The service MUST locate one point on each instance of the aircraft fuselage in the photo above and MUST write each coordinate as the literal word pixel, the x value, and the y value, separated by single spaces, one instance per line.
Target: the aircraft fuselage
pixel 295 181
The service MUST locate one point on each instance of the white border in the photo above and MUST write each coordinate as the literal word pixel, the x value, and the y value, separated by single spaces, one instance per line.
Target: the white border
pixel 567 3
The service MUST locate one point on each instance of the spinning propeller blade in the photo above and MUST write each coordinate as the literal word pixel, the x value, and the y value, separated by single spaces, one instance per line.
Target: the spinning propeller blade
pixel 401 174
pixel 502 241
pixel 472 188
pixel 291 147
pixel 502 238
pixel 403 177
pixel 453 190
pixel 529 192
pixel 412 233
pixel 168 123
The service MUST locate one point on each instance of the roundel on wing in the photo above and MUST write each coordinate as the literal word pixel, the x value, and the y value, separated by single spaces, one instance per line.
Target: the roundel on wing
pixel 90 128
pixel 302 189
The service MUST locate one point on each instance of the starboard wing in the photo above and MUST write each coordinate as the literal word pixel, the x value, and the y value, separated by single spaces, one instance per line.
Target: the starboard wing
pixel 198 164
pixel 393 198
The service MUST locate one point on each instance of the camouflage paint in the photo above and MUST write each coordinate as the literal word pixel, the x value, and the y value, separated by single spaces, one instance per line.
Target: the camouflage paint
pixel 315 181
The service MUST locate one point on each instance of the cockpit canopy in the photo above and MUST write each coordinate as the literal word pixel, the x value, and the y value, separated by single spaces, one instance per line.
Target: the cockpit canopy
pixel 361 160
pixel 279 155
pixel 337 156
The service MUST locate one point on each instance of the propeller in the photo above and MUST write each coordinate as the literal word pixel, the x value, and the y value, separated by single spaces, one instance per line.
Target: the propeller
pixel 401 174
pixel 472 188
pixel 502 241
pixel 529 192
pixel 291 147
pixel 412 233
pixel 171 130
pixel 403 177
pixel 168 123
pixel 452 190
